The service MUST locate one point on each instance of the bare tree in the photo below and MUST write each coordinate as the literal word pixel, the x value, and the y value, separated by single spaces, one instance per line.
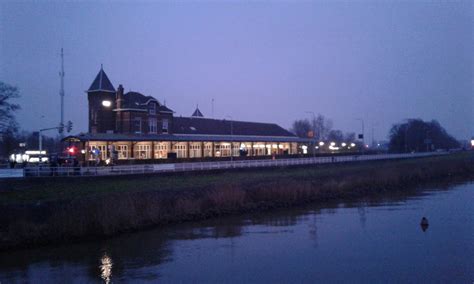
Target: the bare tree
pixel 7 108
pixel 322 126
pixel 336 136
pixel 302 128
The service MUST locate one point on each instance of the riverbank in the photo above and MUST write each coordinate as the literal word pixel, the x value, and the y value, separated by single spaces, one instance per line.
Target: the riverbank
pixel 41 211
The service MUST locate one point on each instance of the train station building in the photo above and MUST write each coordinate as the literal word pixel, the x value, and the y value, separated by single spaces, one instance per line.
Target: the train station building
pixel 132 126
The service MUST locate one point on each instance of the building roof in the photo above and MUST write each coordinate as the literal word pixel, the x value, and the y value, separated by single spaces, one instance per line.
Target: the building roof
pixel 101 83
pixel 197 113
pixel 136 100
pixel 110 137
pixel 206 126
pixel 163 108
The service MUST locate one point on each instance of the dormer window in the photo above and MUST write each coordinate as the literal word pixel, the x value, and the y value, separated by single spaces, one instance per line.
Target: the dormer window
pixel 152 108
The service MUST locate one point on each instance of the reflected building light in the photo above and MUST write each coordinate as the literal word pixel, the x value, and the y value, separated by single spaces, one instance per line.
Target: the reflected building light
pixel 321 143
pixel 106 268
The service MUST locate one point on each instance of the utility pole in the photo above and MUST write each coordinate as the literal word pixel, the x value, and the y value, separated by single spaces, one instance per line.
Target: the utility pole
pixel 61 92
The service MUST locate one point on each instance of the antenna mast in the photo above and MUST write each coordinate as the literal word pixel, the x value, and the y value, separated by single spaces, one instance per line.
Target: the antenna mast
pixel 61 91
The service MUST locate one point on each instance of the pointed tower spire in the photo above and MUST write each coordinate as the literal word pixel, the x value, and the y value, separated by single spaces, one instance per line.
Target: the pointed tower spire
pixel 197 112
pixel 101 82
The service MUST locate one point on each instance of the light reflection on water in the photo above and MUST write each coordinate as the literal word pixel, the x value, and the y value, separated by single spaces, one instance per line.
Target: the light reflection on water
pixel 373 240
pixel 106 268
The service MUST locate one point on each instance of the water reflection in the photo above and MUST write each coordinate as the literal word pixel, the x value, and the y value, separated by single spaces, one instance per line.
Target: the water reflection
pixel 106 268
pixel 313 231
pixel 151 255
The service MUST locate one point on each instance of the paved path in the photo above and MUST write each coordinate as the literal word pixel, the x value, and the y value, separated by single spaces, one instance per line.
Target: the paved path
pixel 196 166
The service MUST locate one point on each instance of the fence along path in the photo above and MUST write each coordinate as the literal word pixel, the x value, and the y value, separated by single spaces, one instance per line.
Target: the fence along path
pixel 195 166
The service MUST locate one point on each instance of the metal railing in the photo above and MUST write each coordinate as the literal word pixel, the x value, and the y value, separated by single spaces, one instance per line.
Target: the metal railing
pixel 40 171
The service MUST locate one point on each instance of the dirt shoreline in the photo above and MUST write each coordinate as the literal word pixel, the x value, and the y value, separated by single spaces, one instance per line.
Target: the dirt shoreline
pixel 53 216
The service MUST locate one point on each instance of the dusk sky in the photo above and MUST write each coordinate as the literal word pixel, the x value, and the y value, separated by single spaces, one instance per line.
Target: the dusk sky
pixel 382 61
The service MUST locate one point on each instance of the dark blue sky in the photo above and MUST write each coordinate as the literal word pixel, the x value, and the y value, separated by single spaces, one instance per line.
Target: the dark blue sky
pixel 383 61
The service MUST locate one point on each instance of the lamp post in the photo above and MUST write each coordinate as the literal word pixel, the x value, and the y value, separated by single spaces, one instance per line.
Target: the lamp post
pixel 314 132
pixel 231 138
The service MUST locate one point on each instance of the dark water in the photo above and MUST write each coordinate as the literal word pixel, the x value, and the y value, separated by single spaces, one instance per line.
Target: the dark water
pixel 376 240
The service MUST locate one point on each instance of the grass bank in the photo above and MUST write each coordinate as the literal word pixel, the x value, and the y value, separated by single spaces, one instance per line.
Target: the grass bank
pixel 40 211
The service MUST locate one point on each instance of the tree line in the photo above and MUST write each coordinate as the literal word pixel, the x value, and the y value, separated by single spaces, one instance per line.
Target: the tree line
pixel 10 134
pixel 321 129
pixel 416 135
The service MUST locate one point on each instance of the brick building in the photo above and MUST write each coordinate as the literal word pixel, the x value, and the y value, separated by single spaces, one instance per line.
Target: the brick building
pixel 132 126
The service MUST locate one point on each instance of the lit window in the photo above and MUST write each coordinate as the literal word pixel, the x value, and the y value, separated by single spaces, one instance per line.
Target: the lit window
pixel 106 103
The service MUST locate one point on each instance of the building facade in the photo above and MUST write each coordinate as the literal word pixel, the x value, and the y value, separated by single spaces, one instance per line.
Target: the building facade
pixel 131 126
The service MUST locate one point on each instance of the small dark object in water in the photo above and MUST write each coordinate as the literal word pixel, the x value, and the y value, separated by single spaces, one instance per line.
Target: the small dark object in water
pixel 424 224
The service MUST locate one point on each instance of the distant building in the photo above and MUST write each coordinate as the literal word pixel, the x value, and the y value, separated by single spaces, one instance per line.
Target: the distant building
pixel 132 126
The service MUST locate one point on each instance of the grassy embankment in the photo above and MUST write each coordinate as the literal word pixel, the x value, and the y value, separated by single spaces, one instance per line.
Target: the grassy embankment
pixel 37 211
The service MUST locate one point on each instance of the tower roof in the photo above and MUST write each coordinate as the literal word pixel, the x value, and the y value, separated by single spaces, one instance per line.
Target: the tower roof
pixel 197 113
pixel 101 83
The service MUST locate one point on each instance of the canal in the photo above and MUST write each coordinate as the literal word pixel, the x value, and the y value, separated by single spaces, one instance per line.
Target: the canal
pixel 370 240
